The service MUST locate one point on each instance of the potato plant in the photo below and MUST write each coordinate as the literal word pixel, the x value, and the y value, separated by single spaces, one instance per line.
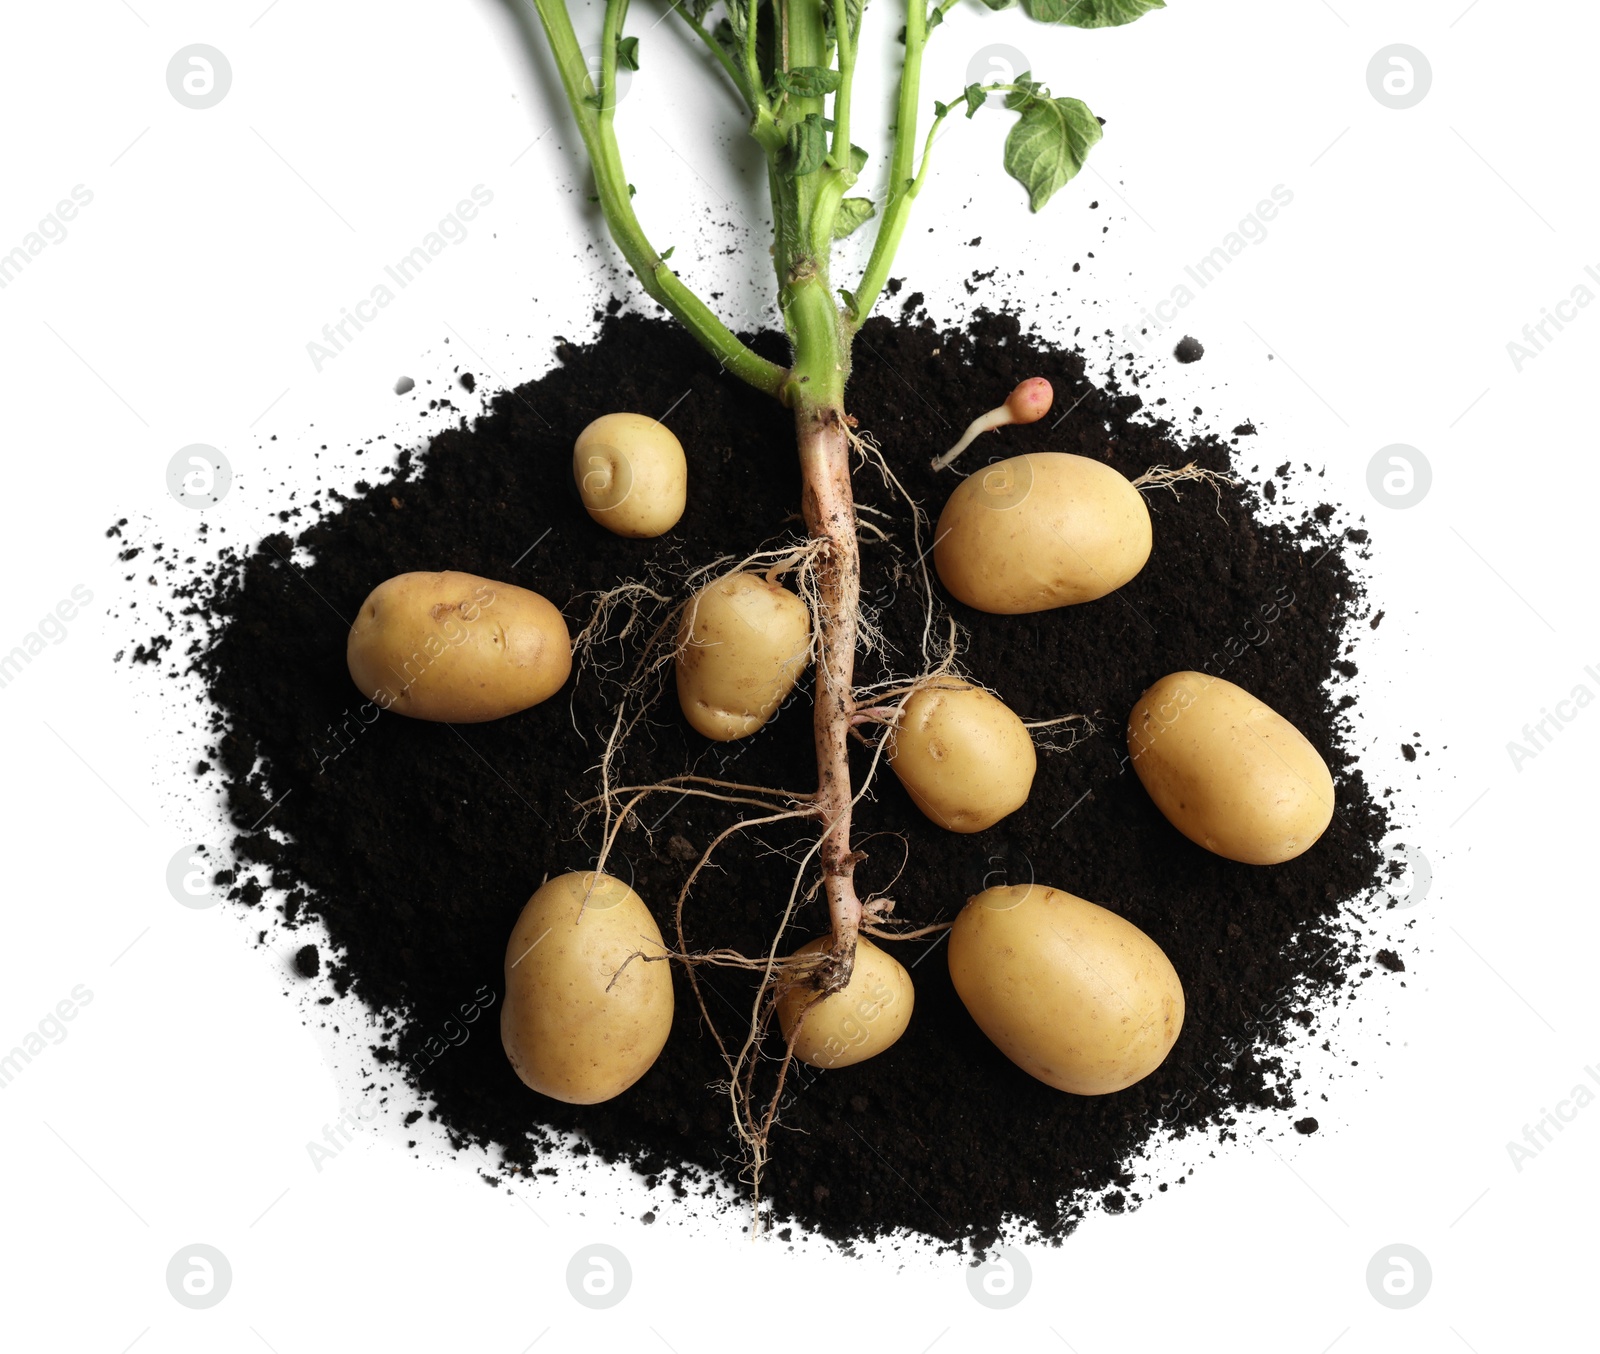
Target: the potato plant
pixel 743 639
pixel 1072 993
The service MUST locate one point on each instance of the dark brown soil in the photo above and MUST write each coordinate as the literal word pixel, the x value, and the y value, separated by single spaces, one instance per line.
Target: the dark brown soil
pixel 417 844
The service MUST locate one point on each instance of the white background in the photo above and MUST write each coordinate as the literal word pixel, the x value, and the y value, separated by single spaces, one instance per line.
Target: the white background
pixel 178 309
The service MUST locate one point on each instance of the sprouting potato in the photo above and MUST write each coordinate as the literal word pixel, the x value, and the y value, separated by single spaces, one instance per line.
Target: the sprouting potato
pixel 742 645
pixel 585 1013
pixel 457 648
pixel 631 474
pixel 1231 774
pixel 1039 531
pixel 964 757
pixel 1072 993
pixel 857 1022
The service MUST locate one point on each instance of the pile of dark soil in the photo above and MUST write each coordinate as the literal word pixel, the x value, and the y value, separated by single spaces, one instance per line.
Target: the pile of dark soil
pixel 417 844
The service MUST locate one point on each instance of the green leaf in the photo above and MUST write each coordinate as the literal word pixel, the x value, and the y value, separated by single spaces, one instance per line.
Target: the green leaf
pixel 1048 145
pixel 850 299
pixel 807 82
pixel 628 52
pixel 808 146
pixel 998 4
pixel 941 110
pixel 668 252
pixel 1089 13
pixel 858 159
pixel 976 97
pixel 854 212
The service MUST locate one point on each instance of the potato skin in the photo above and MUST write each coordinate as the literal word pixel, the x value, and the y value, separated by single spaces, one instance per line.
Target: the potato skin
pixel 742 644
pixel 457 648
pixel 854 1024
pixel 964 757
pixel 1072 993
pixel 1040 531
pixel 1229 772
pixel 631 474
pixel 570 1031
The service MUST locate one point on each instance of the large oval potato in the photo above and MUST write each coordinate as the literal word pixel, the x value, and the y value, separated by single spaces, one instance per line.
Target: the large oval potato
pixel 1073 994
pixel 1039 531
pixel 964 757
pixel 1230 773
pixel 631 474
pixel 857 1022
pixel 742 645
pixel 581 1021
pixel 457 648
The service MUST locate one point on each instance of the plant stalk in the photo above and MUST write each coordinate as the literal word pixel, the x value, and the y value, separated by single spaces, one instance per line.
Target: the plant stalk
pixel 816 392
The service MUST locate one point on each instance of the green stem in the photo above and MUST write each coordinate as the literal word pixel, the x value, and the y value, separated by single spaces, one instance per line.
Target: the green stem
pixel 718 51
pixel 595 125
pixel 752 68
pixel 841 101
pixel 902 183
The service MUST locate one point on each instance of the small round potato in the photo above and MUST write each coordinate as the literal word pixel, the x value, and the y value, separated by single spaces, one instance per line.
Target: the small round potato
pixel 631 474
pixel 457 648
pixel 585 1014
pixel 963 756
pixel 742 645
pixel 1073 994
pixel 858 1022
pixel 1040 531
pixel 1229 773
